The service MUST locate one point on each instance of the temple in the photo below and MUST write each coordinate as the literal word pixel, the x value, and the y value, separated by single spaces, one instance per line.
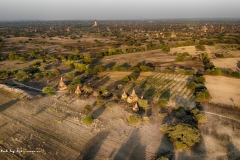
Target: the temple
pixel 62 86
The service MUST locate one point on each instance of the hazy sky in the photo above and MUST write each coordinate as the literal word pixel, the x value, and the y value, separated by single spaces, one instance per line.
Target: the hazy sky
pixel 117 9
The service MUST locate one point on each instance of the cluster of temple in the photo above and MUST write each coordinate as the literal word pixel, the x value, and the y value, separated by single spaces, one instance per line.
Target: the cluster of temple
pixel 63 87
pixel 132 98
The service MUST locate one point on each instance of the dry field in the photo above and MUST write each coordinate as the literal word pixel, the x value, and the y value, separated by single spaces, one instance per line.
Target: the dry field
pixel 190 49
pixel 158 58
pixel 227 63
pixel 224 90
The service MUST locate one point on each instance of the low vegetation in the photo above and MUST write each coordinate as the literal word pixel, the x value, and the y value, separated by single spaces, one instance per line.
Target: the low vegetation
pixel 134 119
pixel 87 120
pixel 48 90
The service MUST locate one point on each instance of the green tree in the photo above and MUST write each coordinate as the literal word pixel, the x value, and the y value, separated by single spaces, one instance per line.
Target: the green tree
pixel 203 95
pixel 48 90
pixel 182 135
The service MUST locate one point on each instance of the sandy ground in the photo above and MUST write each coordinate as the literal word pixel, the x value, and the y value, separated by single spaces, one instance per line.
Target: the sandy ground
pixel 224 90
pixel 190 49
pixel 227 63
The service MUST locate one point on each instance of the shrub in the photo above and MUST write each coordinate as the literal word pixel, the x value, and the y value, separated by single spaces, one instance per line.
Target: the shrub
pixel 182 135
pixel 87 109
pixel 48 90
pixel 162 102
pixel 87 120
pixel 200 47
pixel 38 75
pixel 136 69
pixel 99 68
pixel 162 115
pixel 87 89
pixel 80 66
pixel 134 119
pixel 76 81
pixel 132 77
pixel 21 76
pixel 109 105
pixel 200 79
pixel 126 79
pixel 145 68
pixel 104 91
pixel 202 96
pixel 191 85
pixel 216 72
pixel 180 58
pixel 163 158
pixel 143 104
pixel 71 74
pixel 100 101
pixel 200 117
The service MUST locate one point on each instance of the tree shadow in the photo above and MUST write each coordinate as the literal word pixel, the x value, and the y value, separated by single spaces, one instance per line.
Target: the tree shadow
pixel 110 65
pixel 7 105
pixel 166 94
pixel 92 147
pixel 132 149
pixel 101 82
pixel 233 152
pixel 126 65
pixel 98 112
pixel 166 148
pixel 238 64
pixel 149 93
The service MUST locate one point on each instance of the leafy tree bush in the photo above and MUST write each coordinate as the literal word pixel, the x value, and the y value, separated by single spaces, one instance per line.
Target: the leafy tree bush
pixel 132 77
pixel 216 72
pixel 180 112
pixel 200 117
pixel 200 47
pixel 21 76
pixel 203 95
pixel 80 66
pixel 13 56
pixel 162 103
pixel 76 81
pixel 182 135
pixel 48 90
pixel 109 105
pixel 38 75
pixel 145 68
pixel 191 85
pixel 200 79
pixel 126 79
pixel 71 74
pixel 87 120
pixel 162 158
pixel 99 68
pixel 134 119
pixel 143 104
pixel 87 109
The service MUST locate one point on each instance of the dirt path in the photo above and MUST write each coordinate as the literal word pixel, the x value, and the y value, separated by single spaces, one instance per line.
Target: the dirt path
pixel 220 116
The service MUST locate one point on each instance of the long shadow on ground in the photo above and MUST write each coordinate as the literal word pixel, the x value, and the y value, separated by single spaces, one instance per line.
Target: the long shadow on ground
pixel 5 106
pixel 92 147
pixel 132 149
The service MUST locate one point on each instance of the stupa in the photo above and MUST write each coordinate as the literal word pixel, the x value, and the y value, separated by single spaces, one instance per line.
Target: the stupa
pixel 133 97
pixel 136 108
pixel 95 23
pixel 62 86
pixel 78 91
pixel 124 95
pixel 68 29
